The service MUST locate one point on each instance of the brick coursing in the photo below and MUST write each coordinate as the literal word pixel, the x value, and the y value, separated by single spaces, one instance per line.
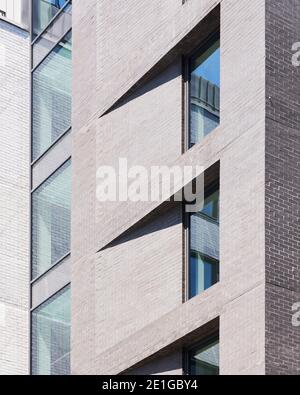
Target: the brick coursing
pixel 14 199
pixel 282 187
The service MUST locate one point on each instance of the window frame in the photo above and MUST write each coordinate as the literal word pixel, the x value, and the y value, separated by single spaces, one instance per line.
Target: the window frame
pixel 34 39
pixel 187 351
pixel 43 153
pixel 65 288
pixel 187 70
pixel 35 279
pixel 209 190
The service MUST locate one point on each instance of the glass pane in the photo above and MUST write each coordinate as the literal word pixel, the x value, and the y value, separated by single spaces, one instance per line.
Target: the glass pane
pixel 205 93
pixel 205 361
pixel 51 221
pixel 52 97
pixel 51 336
pixel 42 13
pixel 204 246
pixel 204 273
pixel 60 27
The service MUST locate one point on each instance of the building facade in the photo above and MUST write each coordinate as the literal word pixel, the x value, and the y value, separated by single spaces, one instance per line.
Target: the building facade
pixel 14 186
pixel 187 82
pixel 36 112
pixel 146 287
pixel 51 151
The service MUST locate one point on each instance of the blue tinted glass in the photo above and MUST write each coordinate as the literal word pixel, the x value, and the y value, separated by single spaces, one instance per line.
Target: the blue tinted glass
pixel 42 13
pixel 204 246
pixel 204 273
pixel 52 98
pixel 211 206
pixel 209 67
pixel 50 37
pixel 205 93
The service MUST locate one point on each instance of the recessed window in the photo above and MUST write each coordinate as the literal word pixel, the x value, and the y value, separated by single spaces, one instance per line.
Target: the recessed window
pixel 50 340
pixel 43 11
pixel 52 98
pixel 204 359
pixel 51 221
pixel 204 245
pixel 204 91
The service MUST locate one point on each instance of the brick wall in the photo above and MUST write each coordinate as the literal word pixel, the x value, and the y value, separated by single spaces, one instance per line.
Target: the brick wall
pixel 14 199
pixel 282 187
pixel 125 306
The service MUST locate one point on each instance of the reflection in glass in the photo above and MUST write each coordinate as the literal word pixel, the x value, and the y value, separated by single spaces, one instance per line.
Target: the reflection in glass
pixel 51 336
pixel 56 30
pixel 205 93
pixel 51 221
pixel 43 11
pixel 204 246
pixel 205 360
pixel 52 97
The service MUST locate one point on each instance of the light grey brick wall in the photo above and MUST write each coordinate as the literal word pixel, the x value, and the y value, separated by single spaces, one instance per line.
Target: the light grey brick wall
pixel 14 199
pixel 125 303
pixel 167 365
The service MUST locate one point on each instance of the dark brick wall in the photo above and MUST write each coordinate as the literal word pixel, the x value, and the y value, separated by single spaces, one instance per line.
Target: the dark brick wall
pixel 282 187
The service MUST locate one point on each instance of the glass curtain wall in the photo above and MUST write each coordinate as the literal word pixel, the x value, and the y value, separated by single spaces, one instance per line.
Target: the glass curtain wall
pixel 51 336
pixel 55 31
pixel 51 78
pixel 51 97
pixel 51 221
pixel 43 11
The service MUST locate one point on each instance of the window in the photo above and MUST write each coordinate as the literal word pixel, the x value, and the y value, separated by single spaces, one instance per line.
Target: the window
pixel 51 36
pixel 43 11
pixel 204 245
pixel 204 91
pixel 51 336
pixel 51 221
pixel 51 81
pixel 204 360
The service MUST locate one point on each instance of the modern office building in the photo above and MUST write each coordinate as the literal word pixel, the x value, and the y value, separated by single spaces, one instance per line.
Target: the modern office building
pixel 144 286
pixel 35 156
pixel 14 187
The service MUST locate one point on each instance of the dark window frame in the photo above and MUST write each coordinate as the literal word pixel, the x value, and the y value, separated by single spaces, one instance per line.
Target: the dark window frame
pixel 187 351
pixel 209 190
pixel 187 70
